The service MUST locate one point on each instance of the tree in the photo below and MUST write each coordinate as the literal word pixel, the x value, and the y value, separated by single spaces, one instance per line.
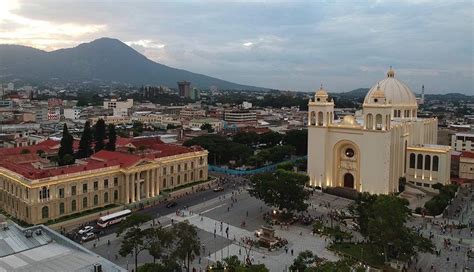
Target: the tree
pixel 207 127
pixel 66 148
pixel 233 264
pixel 221 150
pixel 382 220
pixel 135 239
pixel 362 209
pixel 282 189
pixel 247 138
pixel 99 135
pixel 298 139
pixel 187 244
pixel 137 128
pixel 160 238
pixel 112 138
pixel 85 144
pixel 271 138
pixel 304 260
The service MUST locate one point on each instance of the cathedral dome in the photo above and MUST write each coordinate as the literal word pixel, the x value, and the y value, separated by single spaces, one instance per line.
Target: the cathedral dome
pixel 395 91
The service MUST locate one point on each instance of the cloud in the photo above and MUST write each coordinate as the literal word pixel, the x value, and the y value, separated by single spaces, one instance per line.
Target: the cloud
pixel 280 44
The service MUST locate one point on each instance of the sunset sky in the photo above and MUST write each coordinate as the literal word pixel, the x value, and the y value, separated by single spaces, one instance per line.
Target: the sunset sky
pixel 295 45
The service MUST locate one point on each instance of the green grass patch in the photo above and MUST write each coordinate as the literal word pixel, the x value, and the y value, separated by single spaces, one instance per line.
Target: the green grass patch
pixel 438 203
pixel 365 253
pixel 335 232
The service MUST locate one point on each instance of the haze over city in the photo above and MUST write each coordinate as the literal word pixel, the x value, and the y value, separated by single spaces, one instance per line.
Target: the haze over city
pixel 275 44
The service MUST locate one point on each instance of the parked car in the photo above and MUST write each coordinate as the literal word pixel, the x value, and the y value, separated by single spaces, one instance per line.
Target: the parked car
pixel 88 236
pixel 85 229
pixel 218 189
pixel 171 204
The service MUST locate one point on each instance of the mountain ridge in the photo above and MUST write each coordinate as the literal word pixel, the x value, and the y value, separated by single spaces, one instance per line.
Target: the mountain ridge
pixel 104 59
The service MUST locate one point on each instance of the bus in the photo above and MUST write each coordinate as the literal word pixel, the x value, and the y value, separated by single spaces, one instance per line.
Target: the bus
pixel 114 218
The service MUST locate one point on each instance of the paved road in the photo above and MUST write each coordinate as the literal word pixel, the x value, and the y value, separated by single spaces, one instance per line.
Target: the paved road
pixel 160 209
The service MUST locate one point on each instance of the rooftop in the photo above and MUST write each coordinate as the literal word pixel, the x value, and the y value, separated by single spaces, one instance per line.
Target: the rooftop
pixel 32 166
pixel 48 251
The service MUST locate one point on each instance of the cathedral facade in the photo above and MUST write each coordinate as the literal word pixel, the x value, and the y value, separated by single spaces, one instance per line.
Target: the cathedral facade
pixel 372 150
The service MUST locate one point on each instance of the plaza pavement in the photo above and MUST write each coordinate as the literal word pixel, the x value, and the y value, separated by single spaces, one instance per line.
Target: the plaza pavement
pixel 247 209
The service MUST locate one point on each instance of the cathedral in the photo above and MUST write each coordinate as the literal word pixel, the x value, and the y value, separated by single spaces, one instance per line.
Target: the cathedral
pixel 380 144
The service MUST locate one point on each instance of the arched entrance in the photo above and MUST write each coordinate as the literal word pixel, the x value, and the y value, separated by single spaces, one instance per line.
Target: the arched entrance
pixel 346 165
pixel 348 180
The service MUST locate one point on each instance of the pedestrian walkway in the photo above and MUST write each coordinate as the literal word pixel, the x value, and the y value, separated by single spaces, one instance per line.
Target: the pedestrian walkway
pixel 299 239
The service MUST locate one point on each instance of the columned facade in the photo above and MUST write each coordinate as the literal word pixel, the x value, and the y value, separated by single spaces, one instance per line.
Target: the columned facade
pixel 40 200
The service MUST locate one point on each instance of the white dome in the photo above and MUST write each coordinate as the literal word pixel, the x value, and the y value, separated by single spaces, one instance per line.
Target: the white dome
pixel 396 92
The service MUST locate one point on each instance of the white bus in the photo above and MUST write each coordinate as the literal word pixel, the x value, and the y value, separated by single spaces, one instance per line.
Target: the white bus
pixel 113 218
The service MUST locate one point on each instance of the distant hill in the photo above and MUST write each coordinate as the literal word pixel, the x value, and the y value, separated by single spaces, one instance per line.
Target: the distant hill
pixel 104 59
pixel 357 94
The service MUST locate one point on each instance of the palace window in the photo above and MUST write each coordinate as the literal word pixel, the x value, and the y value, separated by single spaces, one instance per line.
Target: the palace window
pixel 84 202
pixel 61 208
pixel 61 192
pixel 96 200
pixel 96 185
pixel 435 163
pixel 45 212
pixel 73 190
pixel 115 195
pixel 106 183
pixel 44 193
pixel 106 197
pixel 84 188
pixel 412 160
pixel 73 205
pixel 419 163
pixel 427 162
pixel 115 182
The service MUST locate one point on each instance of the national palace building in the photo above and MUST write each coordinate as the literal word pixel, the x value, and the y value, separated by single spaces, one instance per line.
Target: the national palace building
pixel 380 144
pixel 35 190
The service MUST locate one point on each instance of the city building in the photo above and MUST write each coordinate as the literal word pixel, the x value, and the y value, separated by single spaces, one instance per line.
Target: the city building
pixel 72 113
pixel 40 248
pixel 462 141
pixel 190 113
pixel 371 151
pixel 116 104
pixel 184 88
pixel 35 190
pixel 466 166
pixel 216 124
pixel 240 117
pixel 195 94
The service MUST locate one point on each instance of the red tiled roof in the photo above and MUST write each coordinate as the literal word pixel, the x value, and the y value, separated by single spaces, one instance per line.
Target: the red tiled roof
pixel 123 159
pixel 466 154
pixel 12 159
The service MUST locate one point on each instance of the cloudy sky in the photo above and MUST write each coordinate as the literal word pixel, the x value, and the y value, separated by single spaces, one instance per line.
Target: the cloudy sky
pixel 295 45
